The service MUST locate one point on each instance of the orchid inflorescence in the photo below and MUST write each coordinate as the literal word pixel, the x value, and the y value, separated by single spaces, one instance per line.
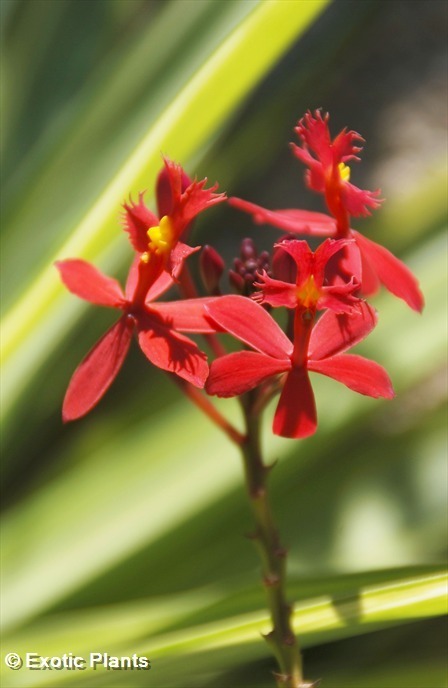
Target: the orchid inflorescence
pixel 323 291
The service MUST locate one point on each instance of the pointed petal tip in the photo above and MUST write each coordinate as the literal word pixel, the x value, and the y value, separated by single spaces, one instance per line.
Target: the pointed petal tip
pixel 418 303
pixel 68 417
pixel 301 434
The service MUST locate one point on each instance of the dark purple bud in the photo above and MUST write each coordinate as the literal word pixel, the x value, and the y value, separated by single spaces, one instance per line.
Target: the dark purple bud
pixel 251 265
pixel 237 282
pixel 211 267
pixel 248 249
pixel 245 268
pixel 264 258
pixel 239 266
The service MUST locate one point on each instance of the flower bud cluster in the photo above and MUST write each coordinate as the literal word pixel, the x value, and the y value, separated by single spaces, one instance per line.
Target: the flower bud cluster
pixel 247 266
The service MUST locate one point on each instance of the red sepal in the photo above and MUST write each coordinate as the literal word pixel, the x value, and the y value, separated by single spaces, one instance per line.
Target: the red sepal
pixel 240 372
pixel 188 203
pixel 177 257
pixel 339 298
pixel 98 370
pixel 391 271
pixel 275 292
pixel 171 351
pixel 358 373
pixel 345 265
pixel 250 323
pixel 290 220
pixel 159 287
pixel 358 201
pixel 137 219
pixel 87 282
pixel 309 263
pixel 296 415
pixel 187 316
pixel 168 188
pixel 335 333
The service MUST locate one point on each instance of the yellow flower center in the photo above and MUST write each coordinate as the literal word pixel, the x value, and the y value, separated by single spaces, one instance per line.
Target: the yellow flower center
pixel 344 171
pixel 160 237
pixel 308 294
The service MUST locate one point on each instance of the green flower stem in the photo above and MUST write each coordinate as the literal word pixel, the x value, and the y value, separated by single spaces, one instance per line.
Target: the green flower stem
pixel 273 555
pixel 205 405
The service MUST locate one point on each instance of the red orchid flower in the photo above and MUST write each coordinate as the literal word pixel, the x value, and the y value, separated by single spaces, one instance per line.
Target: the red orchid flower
pixel 155 324
pixel 275 354
pixel 327 170
pixel 328 174
pixel 157 240
pixel 312 289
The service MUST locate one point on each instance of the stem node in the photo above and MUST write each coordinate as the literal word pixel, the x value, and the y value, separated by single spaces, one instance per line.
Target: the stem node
pixel 273 554
pixel 271 580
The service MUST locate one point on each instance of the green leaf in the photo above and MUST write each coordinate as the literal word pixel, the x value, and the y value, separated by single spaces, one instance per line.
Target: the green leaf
pixel 342 609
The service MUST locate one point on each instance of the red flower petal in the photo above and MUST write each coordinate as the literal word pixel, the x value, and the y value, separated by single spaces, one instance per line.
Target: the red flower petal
pixel 358 373
pixel 172 177
pixel 160 286
pixel 132 278
pixel 98 370
pixel 191 202
pixel 335 333
pixel 339 298
pixel 239 372
pixel 171 351
pixel 283 266
pixel 331 250
pixel 137 219
pixel 314 176
pixel 296 416
pixel 315 264
pixel 394 274
pixel 302 255
pixel 358 201
pixel 315 134
pixel 275 292
pixel 345 265
pixel 177 257
pixel 291 220
pixel 370 282
pixel 250 323
pixel 345 146
pixel 187 316
pixel 168 188
pixel 87 282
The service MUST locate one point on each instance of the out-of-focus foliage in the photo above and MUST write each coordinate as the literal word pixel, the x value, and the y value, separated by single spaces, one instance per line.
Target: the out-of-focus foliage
pixel 124 532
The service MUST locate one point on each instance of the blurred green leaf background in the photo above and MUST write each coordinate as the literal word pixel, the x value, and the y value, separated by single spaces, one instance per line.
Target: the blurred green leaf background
pixel 125 531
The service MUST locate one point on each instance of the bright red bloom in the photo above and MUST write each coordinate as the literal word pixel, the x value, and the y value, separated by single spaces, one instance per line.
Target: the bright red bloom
pixel 328 174
pixel 155 324
pixel 327 170
pixel 319 349
pixel 179 201
pixel 312 288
